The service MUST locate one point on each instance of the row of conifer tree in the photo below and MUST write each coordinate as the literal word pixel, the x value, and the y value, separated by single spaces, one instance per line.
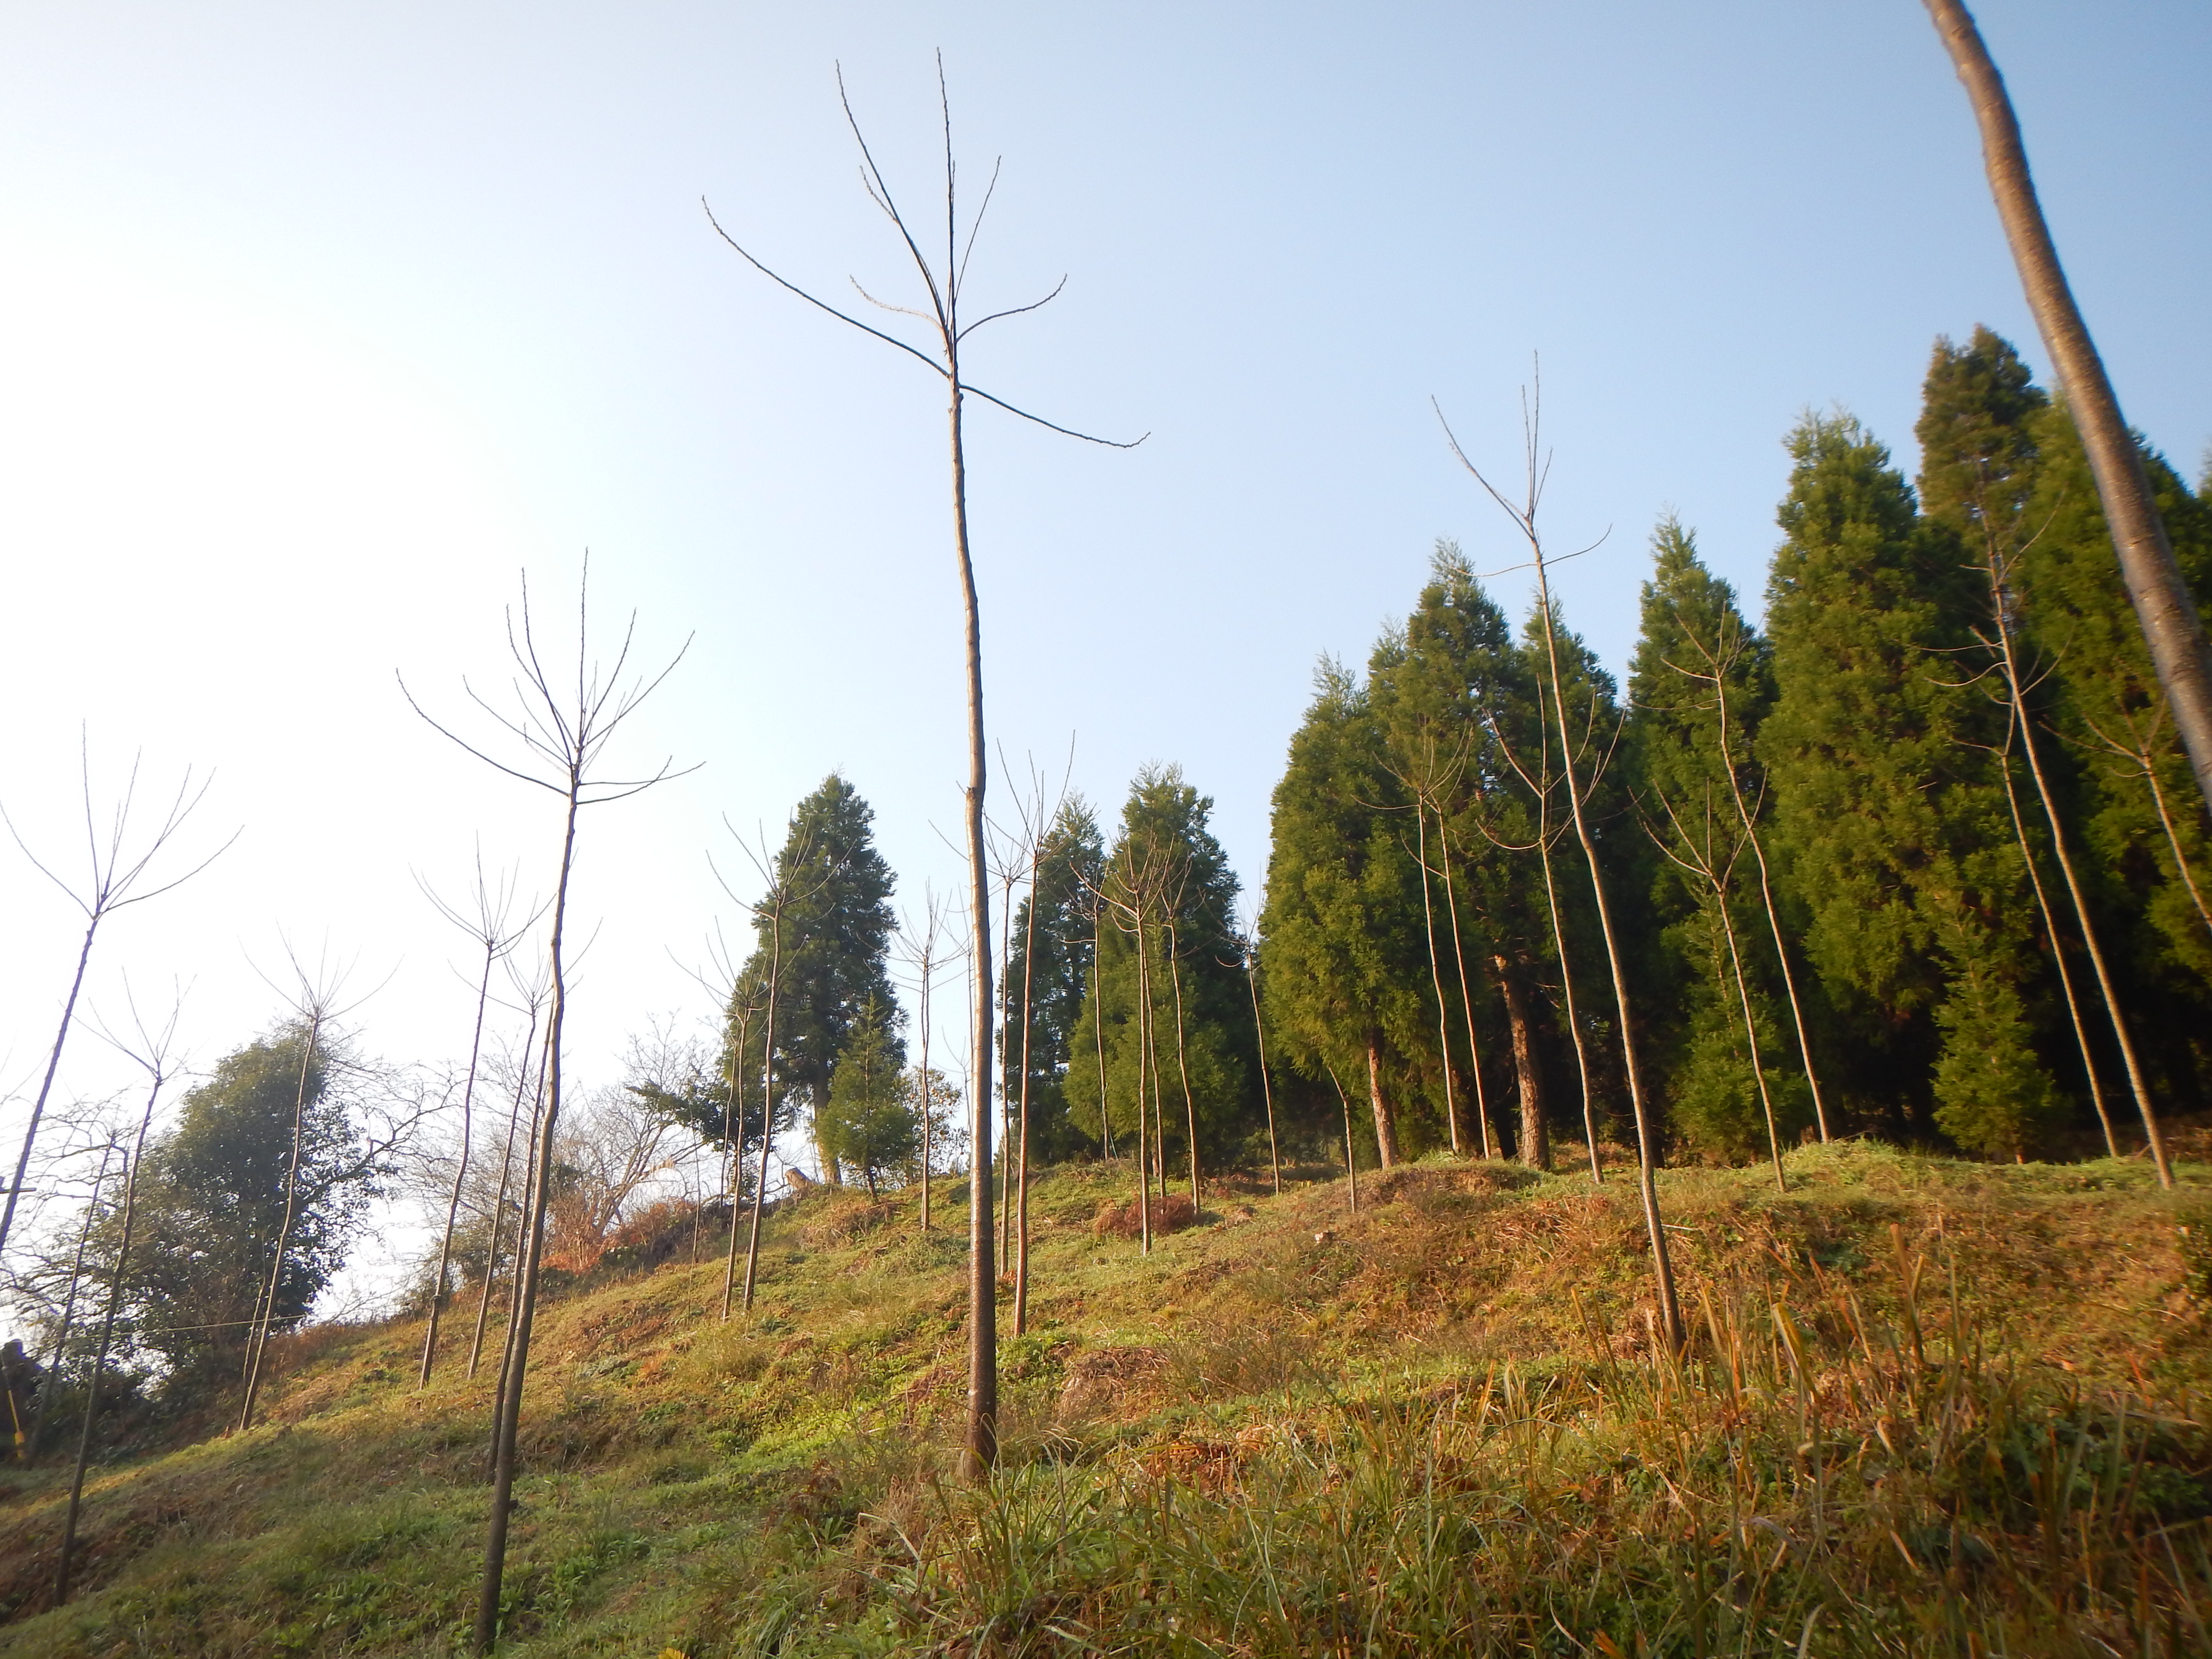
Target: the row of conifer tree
pixel 1921 858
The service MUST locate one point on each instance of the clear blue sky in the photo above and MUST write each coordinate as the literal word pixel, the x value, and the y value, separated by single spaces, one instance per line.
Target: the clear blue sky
pixel 317 323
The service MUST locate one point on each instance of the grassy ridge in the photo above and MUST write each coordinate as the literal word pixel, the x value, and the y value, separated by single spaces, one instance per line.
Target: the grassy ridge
pixel 1931 1407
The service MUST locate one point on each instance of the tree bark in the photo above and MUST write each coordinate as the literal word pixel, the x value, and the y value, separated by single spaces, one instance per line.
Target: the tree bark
pixel 506 1172
pixel 1266 1085
pixel 460 1174
pixel 1490 1147
pixel 1386 1126
pixel 1527 1070
pixel 266 1314
pixel 2171 626
pixel 1437 978
pixel 46 1087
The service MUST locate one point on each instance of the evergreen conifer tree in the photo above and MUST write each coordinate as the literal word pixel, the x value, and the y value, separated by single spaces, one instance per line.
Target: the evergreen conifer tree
pixel 1166 875
pixel 1070 866
pixel 871 1123
pixel 1892 828
pixel 837 926
pixel 1700 684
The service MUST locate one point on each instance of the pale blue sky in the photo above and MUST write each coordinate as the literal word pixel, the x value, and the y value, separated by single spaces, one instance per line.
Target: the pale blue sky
pixel 317 322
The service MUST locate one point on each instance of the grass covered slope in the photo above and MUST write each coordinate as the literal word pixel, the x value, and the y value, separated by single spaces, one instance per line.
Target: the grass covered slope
pixel 1930 1408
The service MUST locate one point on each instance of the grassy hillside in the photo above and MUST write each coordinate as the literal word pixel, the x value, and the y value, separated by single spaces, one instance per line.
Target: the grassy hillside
pixel 1931 1407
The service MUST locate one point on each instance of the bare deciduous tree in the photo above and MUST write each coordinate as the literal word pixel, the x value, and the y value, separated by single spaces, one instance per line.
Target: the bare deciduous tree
pixel 1523 513
pixel 114 875
pixel 945 285
pixel 563 733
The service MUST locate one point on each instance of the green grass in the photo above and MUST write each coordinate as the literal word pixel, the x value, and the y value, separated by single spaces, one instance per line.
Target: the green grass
pixel 1930 1407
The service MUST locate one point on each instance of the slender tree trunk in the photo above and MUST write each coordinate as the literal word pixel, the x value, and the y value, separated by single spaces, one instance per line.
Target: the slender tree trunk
pixel 1750 1031
pixel 1773 911
pixel 69 1313
pixel 1386 1127
pixel 2058 953
pixel 926 1102
pixel 506 1171
pixel 460 1174
pixel 2173 840
pixel 1022 1207
pixel 1527 1070
pixel 2171 626
pixel 1183 1064
pixel 1012 1157
pixel 1267 1084
pixel 532 1243
pixel 1662 1265
pixel 1566 981
pixel 266 1315
pixel 1489 1148
pixel 46 1085
pixel 1098 1033
pixel 981 1452
pixel 768 1117
pixel 1350 1163
pixel 1437 977
pixel 1145 1136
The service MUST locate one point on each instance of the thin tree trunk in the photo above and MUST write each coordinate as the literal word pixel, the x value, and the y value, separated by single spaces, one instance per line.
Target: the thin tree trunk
pixel 460 1174
pixel 1773 911
pixel 980 1454
pixel 1005 1094
pixel 1566 977
pixel 1266 1085
pixel 1527 1070
pixel 69 1313
pixel 1351 1164
pixel 532 1253
pixel 1022 1206
pixel 768 1117
pixel 2171 625
pixel 506 1172
pixel 2173 840
pixel 1437 977
pixel 1751 1033
pixel 1145 1136
pixel 1489 1148
pixel 1183 1064
pixel 266 1314
pixel 1662 1264
pixel 1386 1128
pixel 1099 1032
pixel 928 951
pixel 46 1085
pixel 2058 953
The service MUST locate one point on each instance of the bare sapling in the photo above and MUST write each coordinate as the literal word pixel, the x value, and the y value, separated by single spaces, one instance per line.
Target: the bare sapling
pixel 944 286
pixel 115 873
pixel 2139 749
pixel 1701 855
pixel 919 952
pixel 1535 1146
pixel 314 1000
pixel 1996 566
pixel 1491 1148
pixel 486 925
pixel 1424 780
pixel 1718 658
pixel 151 1049
pixel 534 991
pixel 561 734
pixel 1350 1163
pixel 1248 950
pixel 2168 616
pixel 1524 516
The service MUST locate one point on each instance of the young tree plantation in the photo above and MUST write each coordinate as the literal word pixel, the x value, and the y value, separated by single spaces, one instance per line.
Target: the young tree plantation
pixel 1701 1151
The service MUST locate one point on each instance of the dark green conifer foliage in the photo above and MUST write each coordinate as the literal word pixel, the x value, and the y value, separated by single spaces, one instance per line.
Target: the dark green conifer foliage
pixel 1894 835
pixel 872 1124
pixel 1070 866
pixel 1165 863
pixel 1700 684
pixel 836 930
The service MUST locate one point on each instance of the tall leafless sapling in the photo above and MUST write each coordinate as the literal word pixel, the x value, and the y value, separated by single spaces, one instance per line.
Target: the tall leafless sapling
pixel 1248 950
pixel 561 734
pixel 114 871
pixel 921 952
pixel 534 991
pixel 1524 513
pixel 945 286
pixel 2171 626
